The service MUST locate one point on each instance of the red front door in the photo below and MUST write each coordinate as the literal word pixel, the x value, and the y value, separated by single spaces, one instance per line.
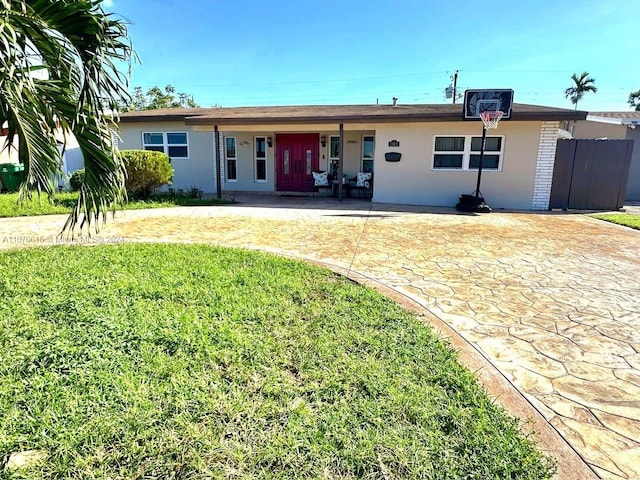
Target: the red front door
pixel 296 157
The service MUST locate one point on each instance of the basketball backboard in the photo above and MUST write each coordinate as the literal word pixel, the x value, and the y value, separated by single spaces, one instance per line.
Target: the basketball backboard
pixel 478 101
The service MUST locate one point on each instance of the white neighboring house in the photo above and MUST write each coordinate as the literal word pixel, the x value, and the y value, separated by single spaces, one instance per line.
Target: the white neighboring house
pixel 616 126
pixel 274 150
pixel 72 158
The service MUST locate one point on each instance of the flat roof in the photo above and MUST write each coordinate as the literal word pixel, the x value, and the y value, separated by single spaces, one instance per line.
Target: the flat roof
pixel 616 118
pixel 332 114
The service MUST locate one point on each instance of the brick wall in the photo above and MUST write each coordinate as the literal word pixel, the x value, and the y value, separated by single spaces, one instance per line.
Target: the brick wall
pixel 544 166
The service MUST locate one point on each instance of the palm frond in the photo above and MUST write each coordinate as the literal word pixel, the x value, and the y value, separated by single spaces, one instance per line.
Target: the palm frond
pixel 78 47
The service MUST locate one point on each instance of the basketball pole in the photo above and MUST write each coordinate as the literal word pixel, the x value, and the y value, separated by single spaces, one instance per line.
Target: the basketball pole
pixel 484 138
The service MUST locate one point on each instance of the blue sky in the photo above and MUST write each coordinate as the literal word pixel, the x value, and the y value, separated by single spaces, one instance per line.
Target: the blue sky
pixel 238 53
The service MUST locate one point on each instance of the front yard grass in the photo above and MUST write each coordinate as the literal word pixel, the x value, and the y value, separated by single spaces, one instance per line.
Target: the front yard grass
pixel 63 203
pixel 627 219
pixel 187 361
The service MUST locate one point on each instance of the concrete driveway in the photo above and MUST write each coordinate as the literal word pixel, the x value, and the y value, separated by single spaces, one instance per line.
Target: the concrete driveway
pixel 550 300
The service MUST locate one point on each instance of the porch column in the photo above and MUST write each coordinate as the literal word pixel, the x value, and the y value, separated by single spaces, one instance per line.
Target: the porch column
pixel 340 161
pixel 216 156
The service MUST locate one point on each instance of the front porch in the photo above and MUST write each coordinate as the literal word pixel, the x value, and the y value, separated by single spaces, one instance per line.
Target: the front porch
pixel 283 158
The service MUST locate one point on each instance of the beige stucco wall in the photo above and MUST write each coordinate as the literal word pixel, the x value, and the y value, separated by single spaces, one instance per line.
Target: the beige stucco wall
pixel 198 169
pixel 245 163
pixel 352 150
pixel 589 129
pixel 413 181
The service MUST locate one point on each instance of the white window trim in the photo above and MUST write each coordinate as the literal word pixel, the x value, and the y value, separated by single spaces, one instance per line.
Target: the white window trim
pixel 330 159
pixel 466 154
pixel 165 144
pixel 255 159
pixel 363 159
pixel 329 155
pixel 227 158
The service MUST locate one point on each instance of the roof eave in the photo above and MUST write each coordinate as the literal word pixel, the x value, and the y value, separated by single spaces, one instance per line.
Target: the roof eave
pixel 334 119
pixel 614 120
pixel 549 116
pixel 369 119
pixel 151 118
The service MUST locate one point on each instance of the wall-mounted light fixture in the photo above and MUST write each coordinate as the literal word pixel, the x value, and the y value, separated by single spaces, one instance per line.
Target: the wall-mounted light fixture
pixel 270 141
pixel 323 141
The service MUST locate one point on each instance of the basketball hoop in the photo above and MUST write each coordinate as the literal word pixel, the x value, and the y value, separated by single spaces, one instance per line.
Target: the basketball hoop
pixel 491 118
pixel 491 106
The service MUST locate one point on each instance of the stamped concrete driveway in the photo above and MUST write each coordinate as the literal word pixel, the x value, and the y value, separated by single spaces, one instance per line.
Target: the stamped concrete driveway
pixel 551 300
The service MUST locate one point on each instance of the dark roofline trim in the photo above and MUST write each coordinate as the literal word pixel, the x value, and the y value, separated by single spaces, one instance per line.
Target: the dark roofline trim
pixel 322 119
pixel 541 116
pixel 364 119
pixel 151 118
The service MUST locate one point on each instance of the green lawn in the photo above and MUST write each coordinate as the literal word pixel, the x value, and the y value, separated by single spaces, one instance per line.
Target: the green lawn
pixel 64 202
pixel 627 219
pixel 189 362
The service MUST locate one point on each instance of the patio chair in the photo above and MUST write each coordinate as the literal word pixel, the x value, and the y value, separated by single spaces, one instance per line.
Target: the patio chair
pixel 363 184
pixel 322 180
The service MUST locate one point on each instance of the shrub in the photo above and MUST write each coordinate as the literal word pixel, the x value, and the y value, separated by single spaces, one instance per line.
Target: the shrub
pixel 146 171
pixel 76 179
pixel 194 192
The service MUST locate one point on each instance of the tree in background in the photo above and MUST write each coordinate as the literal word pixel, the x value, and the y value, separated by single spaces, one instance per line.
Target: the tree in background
pixel 634 100
pixel 59 73
pixel 156 98
pixel 581 84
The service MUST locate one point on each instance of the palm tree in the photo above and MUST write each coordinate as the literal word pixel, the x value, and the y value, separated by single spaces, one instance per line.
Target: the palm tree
pixel 634 100
pixel 59 73
pixel 581 85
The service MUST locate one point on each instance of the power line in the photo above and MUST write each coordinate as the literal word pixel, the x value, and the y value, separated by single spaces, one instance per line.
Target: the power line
pixel 309 82
pixel 436 92
pixel 378 77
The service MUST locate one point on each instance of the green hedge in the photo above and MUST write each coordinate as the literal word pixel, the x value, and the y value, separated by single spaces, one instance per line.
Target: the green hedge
pixel 146 171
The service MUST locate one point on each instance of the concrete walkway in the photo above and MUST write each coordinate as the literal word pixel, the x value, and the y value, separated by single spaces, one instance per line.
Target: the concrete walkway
pixel 551 300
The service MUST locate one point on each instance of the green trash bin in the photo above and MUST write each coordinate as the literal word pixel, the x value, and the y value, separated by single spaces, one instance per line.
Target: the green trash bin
pixel 11 176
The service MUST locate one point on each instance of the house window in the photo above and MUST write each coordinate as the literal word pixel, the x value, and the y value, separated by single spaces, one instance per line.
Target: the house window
pixel 177 145
pixel 174 144
pixel 448 152
pixel 492 153
pixel 230 155
pixel 463 153
pixel 368 153
pixel 153 141
pixel 334 155
pixel 308 162
pixel 261 159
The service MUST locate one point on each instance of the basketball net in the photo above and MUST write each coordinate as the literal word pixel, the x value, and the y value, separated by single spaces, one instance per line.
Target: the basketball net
pixel 490 119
